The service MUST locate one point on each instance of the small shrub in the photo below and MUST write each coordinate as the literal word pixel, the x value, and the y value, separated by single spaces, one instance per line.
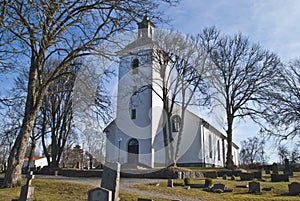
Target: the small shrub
pixel 208 182
pixel 187 181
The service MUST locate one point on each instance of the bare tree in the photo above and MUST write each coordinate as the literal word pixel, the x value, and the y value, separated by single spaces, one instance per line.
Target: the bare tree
pixel 57 113
pixel 252 151
pixel 38 31
pixel 283 153
pixel 182 68
pixel 241 70
pixel 282 109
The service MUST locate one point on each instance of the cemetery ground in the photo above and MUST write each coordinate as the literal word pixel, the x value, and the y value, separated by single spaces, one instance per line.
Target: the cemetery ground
pixel 60 190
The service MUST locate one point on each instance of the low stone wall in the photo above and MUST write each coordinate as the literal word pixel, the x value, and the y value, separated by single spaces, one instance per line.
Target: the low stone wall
pixel 229 172
pixel 160 174
pixel 81 173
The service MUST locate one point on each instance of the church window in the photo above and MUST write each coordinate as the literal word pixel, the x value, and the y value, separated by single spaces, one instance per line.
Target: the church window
pixel 210 146
pixel 218 147
pixel 133 142
pixel 176 123
pixel 133 114
pixel 135 65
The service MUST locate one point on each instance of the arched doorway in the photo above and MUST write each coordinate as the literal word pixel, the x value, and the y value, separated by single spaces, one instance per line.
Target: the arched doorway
pixel 133 151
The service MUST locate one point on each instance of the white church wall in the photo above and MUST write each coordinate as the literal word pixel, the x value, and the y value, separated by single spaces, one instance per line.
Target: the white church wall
pixel 190 146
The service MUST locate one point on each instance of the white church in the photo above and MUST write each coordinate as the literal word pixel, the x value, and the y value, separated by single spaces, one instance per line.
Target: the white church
pixel 135 137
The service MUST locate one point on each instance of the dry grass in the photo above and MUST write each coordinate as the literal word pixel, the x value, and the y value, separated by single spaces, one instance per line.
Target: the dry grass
pixel 279 190
pixel 49 190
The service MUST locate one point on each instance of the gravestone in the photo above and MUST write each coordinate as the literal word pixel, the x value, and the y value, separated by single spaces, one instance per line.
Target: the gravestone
pixel 170 183
pixel 287 168
pixel 294 188
pixel 258 175
pixel 279 177
pixel 219 187
pixel 224 177
pixel 99 194
pixel 247 176
pixel 274 168
pixel 111 179
pixel 27 190
pixel 232 177
pixel 254 187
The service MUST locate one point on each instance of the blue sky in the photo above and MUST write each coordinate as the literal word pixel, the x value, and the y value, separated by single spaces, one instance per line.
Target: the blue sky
pixel 272 23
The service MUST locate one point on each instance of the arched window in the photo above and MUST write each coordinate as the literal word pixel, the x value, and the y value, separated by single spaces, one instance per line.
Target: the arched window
pixel 218 147
pixel 133 142
pixel 135 65
pixel 176 123
pixel 210 146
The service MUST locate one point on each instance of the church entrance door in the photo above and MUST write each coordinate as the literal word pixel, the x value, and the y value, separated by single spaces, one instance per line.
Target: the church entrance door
pixel 133 151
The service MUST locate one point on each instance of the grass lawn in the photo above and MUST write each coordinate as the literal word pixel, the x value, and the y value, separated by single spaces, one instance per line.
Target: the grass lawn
pixel 49 190
pixel 277 193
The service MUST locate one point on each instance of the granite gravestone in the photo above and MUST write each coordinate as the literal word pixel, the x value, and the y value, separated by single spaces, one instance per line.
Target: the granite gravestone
pixel 287 168
pixel 254 187
pixel 111 179
pixel 170 183
pixel 274 168
pixel 294 188
pixel 99 194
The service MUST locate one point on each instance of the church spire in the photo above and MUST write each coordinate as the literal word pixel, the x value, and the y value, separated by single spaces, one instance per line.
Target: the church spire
pixel 146 28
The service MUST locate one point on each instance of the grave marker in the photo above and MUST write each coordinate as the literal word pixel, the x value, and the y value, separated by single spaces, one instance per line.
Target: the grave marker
pixel 294 188
pixel 279 177
pixel 170 183
pixel 287 168
pixel 275 168
pixel 111 179
pixel 99 194
pixel 254 187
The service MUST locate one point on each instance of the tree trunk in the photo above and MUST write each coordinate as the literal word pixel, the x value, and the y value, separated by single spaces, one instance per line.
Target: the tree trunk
pixel 30 158
pixel 32 106
pixel 16 157
pixel 229 157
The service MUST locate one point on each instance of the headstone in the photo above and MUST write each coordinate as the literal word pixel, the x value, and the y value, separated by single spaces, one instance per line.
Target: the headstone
pixel 254 187
pixel 232 177
pixel 275 168
pixel 279 177
pixel 267 189
pixel 258 175
pixel 287 168
pixel 247 176
pixel 221 187
pixel 99 194
pixel 268 171
pixel 294 188
pixel 242 186
pixel 111 179
pixel 224 177
pixel 27 190
pixel 170 183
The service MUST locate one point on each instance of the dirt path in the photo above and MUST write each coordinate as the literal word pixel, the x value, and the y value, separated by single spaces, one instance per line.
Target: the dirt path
pixel 126 184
